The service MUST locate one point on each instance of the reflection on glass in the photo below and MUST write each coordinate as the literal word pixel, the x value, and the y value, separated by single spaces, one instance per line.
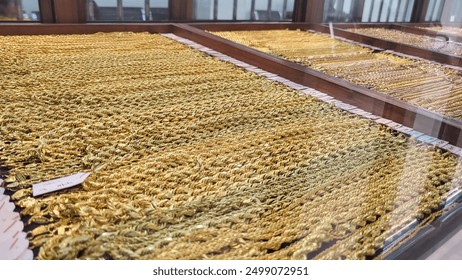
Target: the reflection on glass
pixel 260 10
pixel 341 11
pixel 203 9
pixel 243 10
pixel 128 10
pixel 386 7
pixel 434 11
pixel 104 10
pixel 159 10
pixel 387 11
pixel 456 12
pixel 134 10
pixel 17 10
pixel 8 10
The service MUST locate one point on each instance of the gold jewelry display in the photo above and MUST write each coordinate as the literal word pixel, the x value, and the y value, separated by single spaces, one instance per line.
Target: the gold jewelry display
pixel 195 158
pixel 421 41
pixel 446 30
pixel 425 84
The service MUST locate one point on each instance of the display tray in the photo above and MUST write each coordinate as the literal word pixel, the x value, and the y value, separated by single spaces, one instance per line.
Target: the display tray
pixel 430 30
pixel 451 33
pixel 439 43
pixel 344 30
pixel 212 234
pixel 421 119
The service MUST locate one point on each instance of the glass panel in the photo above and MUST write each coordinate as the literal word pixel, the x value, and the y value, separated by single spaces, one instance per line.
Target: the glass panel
pixel 401 11
pixel 31 10
pixel 431 7
pixel 280 10
pixel 290 10
pixel 159 10
pixel 347 6
pixel 438 10
pixel 204 9
pixel 264 10
pixel 225 9
pixel 367 11
pixel 17 10
pixel 386 6
pixel 105 10
pixel 133 10
pixel 333 10
pixel 457 13
pixel 346 10
pixel 393 11
pixel 410 4
pixel 243 9
pixel 375 11
pixel 277 7
pixel 261 10
pixel 387 10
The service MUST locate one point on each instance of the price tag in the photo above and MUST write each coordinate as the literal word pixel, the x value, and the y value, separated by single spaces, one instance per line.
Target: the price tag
pixel 404 129
pixel 415 134
pixel 441 143
pixel 59 184
pixel 383 121
pixel 453 149
pixel 427 139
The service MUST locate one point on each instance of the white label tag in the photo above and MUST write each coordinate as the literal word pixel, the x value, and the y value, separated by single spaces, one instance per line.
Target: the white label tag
pixel 2 183
pixel 59 184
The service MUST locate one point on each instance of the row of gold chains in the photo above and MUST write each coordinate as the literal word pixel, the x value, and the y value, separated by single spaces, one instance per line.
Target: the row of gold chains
pixel 421 83
pixel 421 41
pixel 193 158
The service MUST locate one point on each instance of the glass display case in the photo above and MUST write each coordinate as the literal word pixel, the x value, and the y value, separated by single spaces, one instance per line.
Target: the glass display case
pixel 215 129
